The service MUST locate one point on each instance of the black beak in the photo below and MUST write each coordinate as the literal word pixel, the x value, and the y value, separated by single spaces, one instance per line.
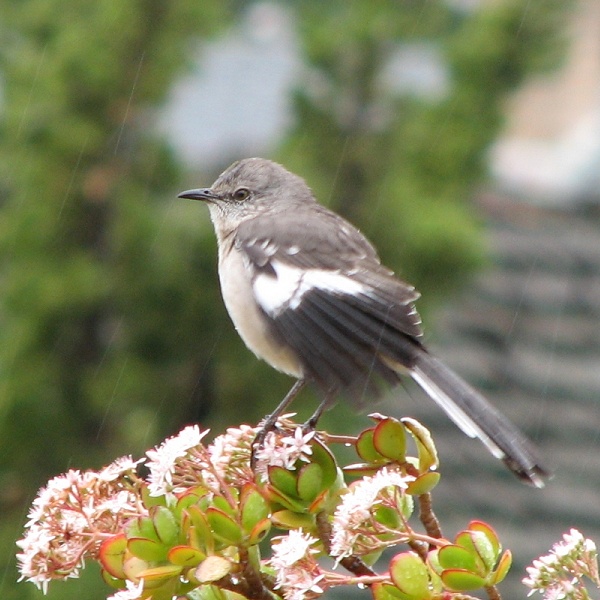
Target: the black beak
pixel 205 194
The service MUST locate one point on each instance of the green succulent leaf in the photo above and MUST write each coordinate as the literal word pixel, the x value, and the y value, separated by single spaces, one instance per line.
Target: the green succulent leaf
pixel 411 576
pixel 283 480
pixel 457 557
pixel 427 453
pixel 150 501
pixel 190 497
pixel 287 519
pixel 387 516
pixel 142 527
pixel 389 439
pixel 212 592
pixel 461 580
pixel 322 456
pixel 156 576
pixel 275 496
pixel 503 567
pixel 224 527
pixel 309 482
pixel 385 591
pixel 146 549
pixel 166 526
pixel 223 505
pixel 259 531
pixel 197 528
pixel 489 533
pixel 423 484
pixel 185 556
pixel 478 543
pixel 254 508
pixel 366 449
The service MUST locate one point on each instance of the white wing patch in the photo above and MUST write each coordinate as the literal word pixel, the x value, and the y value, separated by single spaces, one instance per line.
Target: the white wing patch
pixel 287 288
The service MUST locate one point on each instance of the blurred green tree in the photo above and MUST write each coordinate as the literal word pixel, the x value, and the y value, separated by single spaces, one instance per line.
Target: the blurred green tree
pixel 99 288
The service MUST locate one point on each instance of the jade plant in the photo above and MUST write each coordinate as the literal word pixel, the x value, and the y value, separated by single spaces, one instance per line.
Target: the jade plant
pixel 226 520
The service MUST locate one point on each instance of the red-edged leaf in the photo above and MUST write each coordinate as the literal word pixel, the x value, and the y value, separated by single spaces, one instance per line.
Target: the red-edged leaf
pixel 155 576
pixel 317 504
pixel 461 580
pixel 489 533
pixel 428 458
pixel 278 497
pixel 259 531
pixel 112 555
pixel 361 469
pixel 478 544
pixel 185 556
pixel 223 526
pixel 365 448
pixel 411 575
pixel 503 567
pixel 323 456
pixel 196 524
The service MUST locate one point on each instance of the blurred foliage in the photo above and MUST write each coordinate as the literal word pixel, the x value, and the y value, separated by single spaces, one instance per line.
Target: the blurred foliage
pixel 111 329
pixel 102 337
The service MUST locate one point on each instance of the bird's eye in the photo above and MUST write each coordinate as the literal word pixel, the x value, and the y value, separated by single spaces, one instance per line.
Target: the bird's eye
pixel 241 193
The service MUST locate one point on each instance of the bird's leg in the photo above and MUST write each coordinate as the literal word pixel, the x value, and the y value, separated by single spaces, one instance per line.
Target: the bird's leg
pixel 314 419
pixel 271 420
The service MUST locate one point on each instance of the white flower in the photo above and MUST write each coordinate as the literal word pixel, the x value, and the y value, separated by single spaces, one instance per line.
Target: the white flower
pixel 355 508
pixel 68 520
pixel 230 451
pixel 122 501
pixel 300 584
pixel 285 451
pixel 163 458
pixel 559 575
pixel 297 571
pixel 298 445
pixel 132 592
pixel 119 467
pixel 290 549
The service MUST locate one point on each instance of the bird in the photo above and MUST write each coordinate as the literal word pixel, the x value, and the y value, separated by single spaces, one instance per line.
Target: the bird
pixel 308 294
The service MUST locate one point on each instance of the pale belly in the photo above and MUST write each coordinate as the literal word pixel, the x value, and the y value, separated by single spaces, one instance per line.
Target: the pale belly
pixel 248 321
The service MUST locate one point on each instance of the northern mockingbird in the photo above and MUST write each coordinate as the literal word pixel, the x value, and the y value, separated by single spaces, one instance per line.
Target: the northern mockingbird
pixel 307 293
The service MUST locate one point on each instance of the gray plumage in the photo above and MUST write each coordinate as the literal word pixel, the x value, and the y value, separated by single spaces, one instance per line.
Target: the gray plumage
pixel 308 294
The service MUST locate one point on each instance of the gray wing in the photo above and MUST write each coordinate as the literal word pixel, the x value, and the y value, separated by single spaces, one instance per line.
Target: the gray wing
pixel 327 296
pixel 325 239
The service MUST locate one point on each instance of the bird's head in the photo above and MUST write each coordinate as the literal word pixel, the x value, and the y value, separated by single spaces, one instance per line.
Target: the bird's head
pixel 250 187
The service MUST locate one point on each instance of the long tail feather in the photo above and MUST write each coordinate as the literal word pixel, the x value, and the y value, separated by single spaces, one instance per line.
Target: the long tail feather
pixel 478 418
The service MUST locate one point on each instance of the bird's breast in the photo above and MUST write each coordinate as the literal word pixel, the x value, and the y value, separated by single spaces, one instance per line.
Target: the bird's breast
pixel 250 322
